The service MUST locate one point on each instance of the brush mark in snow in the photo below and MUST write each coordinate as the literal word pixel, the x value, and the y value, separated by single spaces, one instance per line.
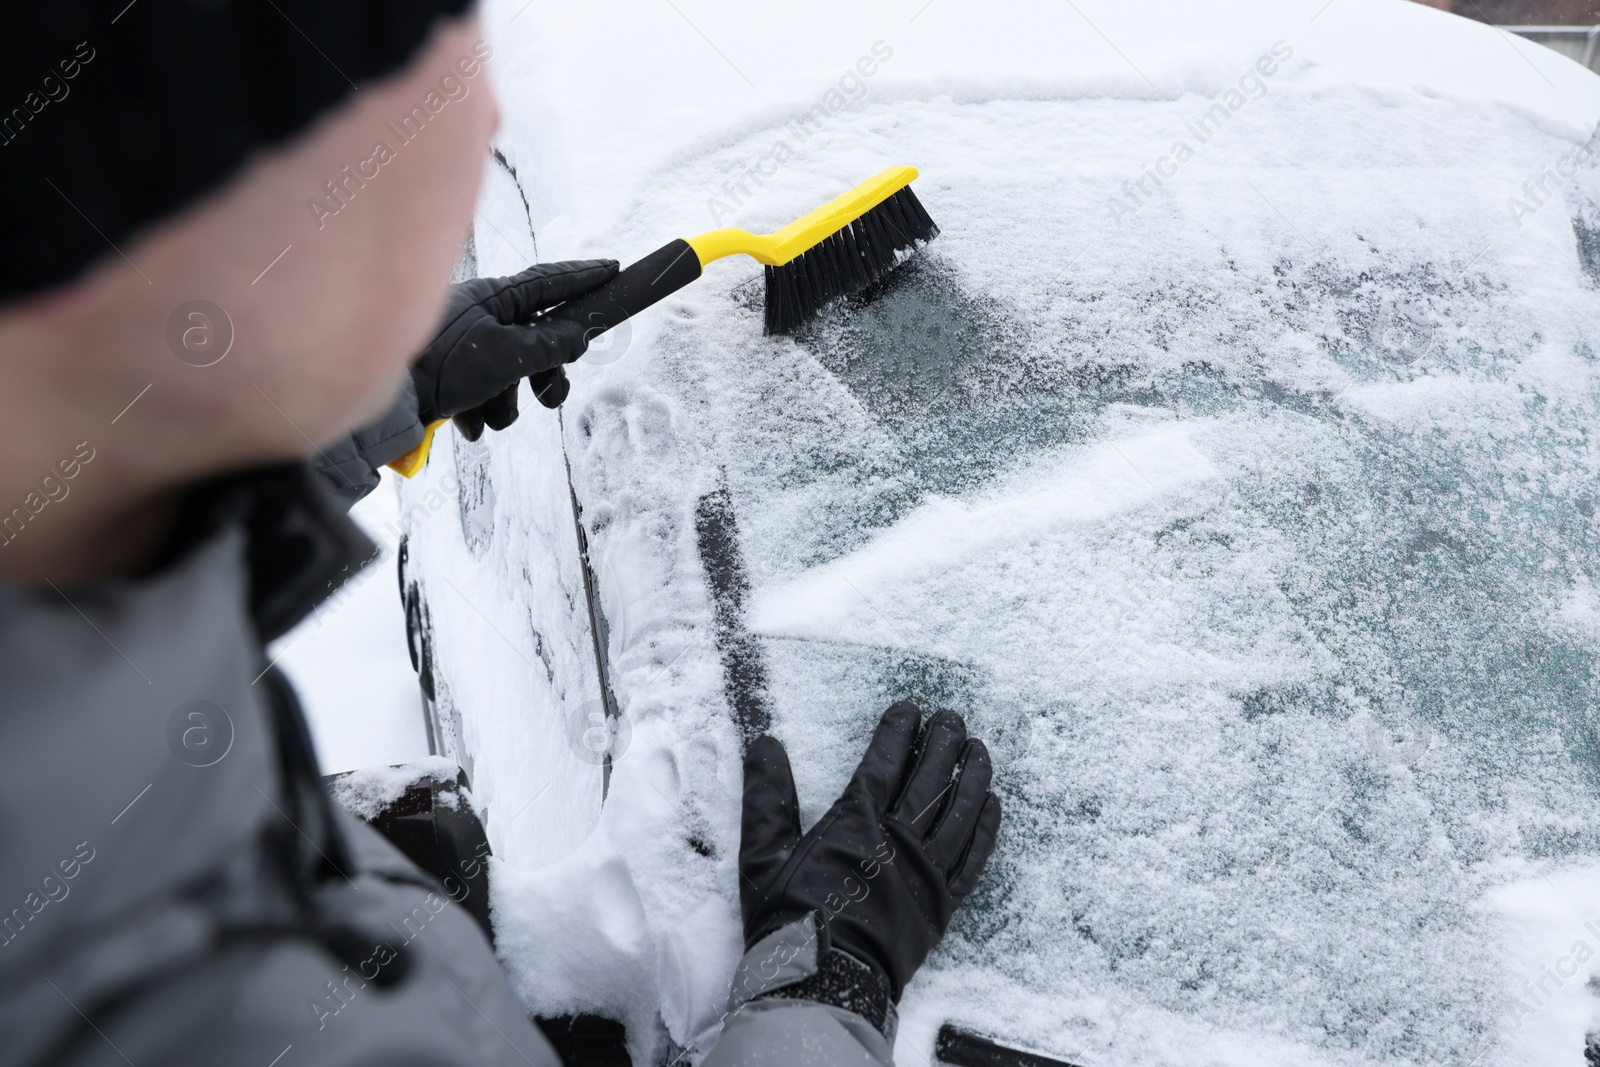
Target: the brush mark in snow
pixel 1111 478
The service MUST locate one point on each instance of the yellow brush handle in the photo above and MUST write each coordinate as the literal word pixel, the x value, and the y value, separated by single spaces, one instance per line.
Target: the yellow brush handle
pixel 413 461
pixel 807 231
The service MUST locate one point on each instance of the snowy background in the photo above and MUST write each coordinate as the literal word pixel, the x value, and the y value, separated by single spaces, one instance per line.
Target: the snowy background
pixel 1249 512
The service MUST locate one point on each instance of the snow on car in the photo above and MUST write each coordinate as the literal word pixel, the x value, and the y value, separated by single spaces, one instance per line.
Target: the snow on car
pixel 1228 461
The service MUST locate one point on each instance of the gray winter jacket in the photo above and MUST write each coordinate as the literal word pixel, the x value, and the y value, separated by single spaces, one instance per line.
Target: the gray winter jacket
pixel 349 467
pixel 176 885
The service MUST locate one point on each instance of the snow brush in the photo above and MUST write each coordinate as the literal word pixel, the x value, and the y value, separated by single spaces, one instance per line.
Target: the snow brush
pixel 835 251
pixel 839 249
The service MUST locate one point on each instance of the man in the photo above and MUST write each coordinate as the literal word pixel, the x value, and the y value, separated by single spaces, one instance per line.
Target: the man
pixel 222 258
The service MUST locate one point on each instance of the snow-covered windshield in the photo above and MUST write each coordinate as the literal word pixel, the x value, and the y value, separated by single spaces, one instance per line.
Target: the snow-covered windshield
pixel 1255 532
pixel 1243 497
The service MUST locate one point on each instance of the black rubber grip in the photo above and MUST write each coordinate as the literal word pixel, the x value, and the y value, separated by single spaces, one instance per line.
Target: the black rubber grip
pixel 963 1048
pixel 658 275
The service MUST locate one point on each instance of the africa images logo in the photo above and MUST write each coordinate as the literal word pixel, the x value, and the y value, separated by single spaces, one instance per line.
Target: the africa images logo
pixel 348 182
pixel 1250 87
pixel 199 733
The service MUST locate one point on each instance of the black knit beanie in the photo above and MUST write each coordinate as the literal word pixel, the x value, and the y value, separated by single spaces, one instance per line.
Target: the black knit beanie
pixel 113 115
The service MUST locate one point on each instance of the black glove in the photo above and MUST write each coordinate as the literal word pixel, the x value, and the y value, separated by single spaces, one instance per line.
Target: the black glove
pixel 488 344
pixel 889 863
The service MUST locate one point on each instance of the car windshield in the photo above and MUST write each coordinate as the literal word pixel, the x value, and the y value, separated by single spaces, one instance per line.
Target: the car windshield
pixel 1246 509
pixel 1252 530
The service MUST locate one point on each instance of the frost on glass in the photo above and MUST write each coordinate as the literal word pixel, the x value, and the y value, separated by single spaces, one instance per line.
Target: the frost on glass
pixel 1266 726
pixel 1254 531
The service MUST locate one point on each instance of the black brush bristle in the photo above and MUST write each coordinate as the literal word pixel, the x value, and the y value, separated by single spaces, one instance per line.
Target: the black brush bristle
pixel 846 262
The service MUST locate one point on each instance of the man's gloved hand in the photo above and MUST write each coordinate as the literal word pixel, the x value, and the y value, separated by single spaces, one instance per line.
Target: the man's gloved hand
pixel 486 346
pixel 889 863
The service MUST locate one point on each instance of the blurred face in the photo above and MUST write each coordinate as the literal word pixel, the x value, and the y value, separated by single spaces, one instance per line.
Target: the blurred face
pixel 282 310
